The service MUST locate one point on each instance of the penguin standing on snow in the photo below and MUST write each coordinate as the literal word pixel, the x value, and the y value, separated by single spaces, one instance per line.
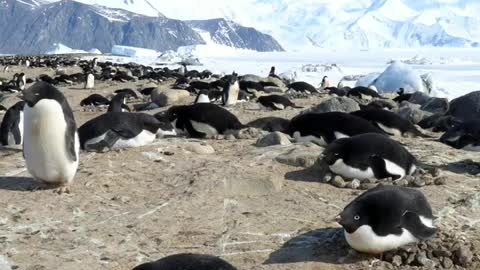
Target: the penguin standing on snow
pixel 119 130
pixel 276 102
pixel 231 90
pixel 369 156
pixel 385 218
pixel 202 120
pixel 187 262
pixel 12 125
pixel 51 144
pixel 90 81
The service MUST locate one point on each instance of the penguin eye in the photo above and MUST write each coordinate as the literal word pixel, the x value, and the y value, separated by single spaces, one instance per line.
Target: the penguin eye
pixel 356 217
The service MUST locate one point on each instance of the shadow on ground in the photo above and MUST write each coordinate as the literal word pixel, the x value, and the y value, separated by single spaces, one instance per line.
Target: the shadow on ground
pixel 21 184
pixel 467 166
pixel 323 245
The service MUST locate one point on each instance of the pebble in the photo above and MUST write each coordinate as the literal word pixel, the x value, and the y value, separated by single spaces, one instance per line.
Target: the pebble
pixel 462 256
pixel 366 186
pixel 418 182
pixel 397 260
pixel 440 181
pixel 354 184
pixel 447 263
pixel 401 182
pixel 338 182
pixel 230 137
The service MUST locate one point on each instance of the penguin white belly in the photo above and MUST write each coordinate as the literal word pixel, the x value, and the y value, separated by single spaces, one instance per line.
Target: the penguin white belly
pixel 20 127
pixel 365 240
pixel 278 106
pixel 203 99
pixel 339 135
pixel 394 169
pixel 143 138
pixel 44 143
pixel 233 94
pixel 178 131
pixel 340 168
pixel 393 131
pixel 204 128
pixel 163 133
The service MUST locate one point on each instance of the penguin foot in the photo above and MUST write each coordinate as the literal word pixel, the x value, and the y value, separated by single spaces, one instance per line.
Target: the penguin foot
pixel 62 189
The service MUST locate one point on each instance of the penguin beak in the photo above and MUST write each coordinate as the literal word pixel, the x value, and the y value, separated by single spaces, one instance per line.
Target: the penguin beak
pixel 338 219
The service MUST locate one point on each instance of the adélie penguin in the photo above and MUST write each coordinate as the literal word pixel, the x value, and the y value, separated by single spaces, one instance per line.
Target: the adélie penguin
pixel 231 90
pixel 187 261
pixel 390 122
pixel 386 218
pixel 202 120
pixel 369 156
pixel 324 128
pixel 51 144
pixel 11 129
pixel 120 130
pixel 276 102
pixel 464 136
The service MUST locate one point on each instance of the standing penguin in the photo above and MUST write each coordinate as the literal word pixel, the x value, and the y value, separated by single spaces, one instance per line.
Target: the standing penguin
pixel 325 83
pixel 21 81
pixel 90 81
pixel 231 90
pixel 386 218
pixel 11 130
pixel 51 144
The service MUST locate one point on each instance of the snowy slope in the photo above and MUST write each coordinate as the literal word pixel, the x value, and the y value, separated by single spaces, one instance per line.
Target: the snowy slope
pixel 298 24
pixel 144 7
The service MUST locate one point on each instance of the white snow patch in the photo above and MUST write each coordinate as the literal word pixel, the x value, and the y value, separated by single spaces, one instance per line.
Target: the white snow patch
pixel 399 75
pixel 133 51
pixel 59 48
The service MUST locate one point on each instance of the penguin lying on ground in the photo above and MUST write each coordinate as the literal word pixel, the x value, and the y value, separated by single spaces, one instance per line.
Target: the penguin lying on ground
pixel 369 156
pixel 464 136
pixel 276 102
pixel 187 262
pixel 119 130
pixel 324 128
pixel 385 218
pixel 363 93
pixel 303 87
pixel 390 122
pixel 94 100
pixel 271 124
pixel 202 120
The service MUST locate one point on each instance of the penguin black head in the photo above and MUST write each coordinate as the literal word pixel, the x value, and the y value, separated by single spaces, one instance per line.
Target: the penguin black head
pixel 174 112
pixel 334 151
pixel 354 216
pixel 233 79
pixel 272 70
pixel 38 91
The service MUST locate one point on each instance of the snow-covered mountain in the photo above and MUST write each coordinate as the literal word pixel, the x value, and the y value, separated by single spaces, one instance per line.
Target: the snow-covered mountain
pixel 334 24
pixel 34 26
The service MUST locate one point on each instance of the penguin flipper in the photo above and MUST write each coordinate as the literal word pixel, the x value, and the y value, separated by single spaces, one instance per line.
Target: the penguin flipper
pixel 412 222
pixel 111 137
pixel 379 167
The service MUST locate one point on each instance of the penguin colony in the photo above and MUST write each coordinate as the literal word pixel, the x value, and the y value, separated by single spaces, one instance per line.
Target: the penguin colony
pixel 358 145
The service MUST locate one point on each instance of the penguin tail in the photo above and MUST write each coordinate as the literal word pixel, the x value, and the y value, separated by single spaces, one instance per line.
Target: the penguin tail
pixel 298 107
pixel 412 222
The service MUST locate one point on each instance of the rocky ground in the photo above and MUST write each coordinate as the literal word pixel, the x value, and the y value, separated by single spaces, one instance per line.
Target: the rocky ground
pixel 256 207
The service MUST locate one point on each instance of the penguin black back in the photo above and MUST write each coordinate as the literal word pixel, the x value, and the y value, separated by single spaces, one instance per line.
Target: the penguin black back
pixel 187 262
